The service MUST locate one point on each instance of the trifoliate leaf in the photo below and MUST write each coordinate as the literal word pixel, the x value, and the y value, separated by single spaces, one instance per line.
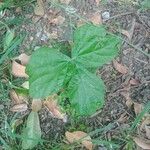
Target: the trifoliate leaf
pixel 32 132
pixel 47 69
pixel 86 92
pixel 93 47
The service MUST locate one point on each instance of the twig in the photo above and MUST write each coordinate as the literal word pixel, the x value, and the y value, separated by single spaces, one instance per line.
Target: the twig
pixel 119 15
pixel 132 29
pixel 130 44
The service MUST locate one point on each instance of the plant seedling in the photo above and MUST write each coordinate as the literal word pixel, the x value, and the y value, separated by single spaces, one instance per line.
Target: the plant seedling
pixel 50 71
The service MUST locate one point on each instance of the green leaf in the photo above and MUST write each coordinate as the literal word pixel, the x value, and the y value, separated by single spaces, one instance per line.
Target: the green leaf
pixel 47 70
pixel 93 47
pixel 145 4
pixel 8 39
pixel 86 92
pixel 32 132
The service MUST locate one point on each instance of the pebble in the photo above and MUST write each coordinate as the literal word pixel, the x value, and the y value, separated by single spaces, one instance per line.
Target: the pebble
pixel 105 15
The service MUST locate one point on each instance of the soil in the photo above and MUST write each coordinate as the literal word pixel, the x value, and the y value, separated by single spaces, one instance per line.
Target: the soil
pixel 42 30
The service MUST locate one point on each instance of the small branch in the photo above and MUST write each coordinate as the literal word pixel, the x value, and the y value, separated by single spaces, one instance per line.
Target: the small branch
pixel 119 15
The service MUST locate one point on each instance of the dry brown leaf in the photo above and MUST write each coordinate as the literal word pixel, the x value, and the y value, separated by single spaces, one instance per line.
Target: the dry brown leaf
pixel 97 2
pixel 134 82
pixel 15 98
pixel 25 85
pixel 96 19
pixel 123 118
pixel 58 21
pixel 54 108
pixel 143 143
pixel 39 8
pixel 80 22
pixel 24 59
pixel 18 70
pixel 147 130
pixel 120 67
pixel 65 1
pixel 126 33
pixel 138 108
pixel 36 105
pixel 129 101
pixel 77 135
pixel 145 121
pixel 19 108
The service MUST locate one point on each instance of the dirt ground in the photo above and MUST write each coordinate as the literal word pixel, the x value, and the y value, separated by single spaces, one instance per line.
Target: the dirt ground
pixel 125 19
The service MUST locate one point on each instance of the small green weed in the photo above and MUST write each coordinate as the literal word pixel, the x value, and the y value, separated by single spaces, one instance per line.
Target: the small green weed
pixel 51 71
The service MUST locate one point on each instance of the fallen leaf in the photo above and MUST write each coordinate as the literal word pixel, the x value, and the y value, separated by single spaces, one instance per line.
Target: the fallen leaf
pixel 36 105
pixel 58 21
pixel 24 59
pixel 80 22
pixel 143 143
pixel 18 70
pixel 145 122
pixel 25 85
pixel 126 33
pixel 18 9
pixel 32 132
pixel 138 108
pixel 147 130
pixel 54 108
pixel 123 118
pixel 120 67
pixel 19 108
pixel 97 2
pixel 39 8
pixel 14 97
pixel 129 101
pixel 96 19
pixel 134 82
pixel 65 1
pixel 78 135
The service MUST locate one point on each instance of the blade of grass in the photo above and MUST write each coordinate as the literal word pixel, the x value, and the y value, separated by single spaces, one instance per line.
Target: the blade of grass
pixel 109 144
pixel 16 42
pixel 139 117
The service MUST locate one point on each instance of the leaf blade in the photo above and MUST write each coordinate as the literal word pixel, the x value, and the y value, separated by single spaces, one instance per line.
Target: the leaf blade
pixel 93 47
pixel 46 69
pixel 86 92
pixel 32 132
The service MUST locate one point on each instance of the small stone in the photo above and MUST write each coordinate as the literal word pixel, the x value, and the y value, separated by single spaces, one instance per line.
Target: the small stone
pixel 105 15
pixel 18 9
pixel 44 37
